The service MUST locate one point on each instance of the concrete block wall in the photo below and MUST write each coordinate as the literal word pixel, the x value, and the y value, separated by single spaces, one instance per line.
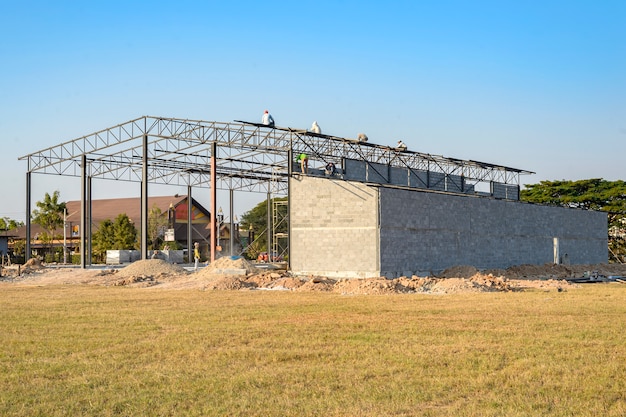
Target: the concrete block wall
pixel 334 228
pixel 349 229
pixel 428 232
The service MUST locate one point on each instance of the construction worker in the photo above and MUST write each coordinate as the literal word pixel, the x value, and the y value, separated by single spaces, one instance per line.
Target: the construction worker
pixel 196 255
pixel 267 119
pixel 304 163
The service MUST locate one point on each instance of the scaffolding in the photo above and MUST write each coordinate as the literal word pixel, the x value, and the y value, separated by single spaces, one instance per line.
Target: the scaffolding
pixel 280 229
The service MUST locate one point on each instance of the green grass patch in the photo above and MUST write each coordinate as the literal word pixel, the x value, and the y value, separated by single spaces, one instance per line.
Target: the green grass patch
pixel 85 351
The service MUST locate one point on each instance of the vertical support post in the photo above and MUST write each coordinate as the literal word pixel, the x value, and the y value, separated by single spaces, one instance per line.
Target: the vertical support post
pixel 289 174
pixel 83 211
pixel 232 222
pixel 28 190
pixel 556 249
pixel 65 236
pixel 89 222
pixel 144 199
pixel 269 227
pixel 213 198
pixel 189 226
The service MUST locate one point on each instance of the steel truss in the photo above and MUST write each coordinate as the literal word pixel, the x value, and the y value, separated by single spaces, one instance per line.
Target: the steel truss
pixel 248 157
pixel 245 156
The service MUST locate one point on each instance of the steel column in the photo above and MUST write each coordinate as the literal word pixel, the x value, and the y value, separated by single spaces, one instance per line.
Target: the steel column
pixel 213 208
pixel 28 191
pixel 190 247
pixel 144 199
pixel 289 174
pixel 83 211
pixel 269 226
pixel 88 234
pixel 232 222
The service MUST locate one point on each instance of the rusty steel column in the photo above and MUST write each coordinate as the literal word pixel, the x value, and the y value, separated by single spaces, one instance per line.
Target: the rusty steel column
pixel 28 190
pixel 88 221
pixel 213 199
pixel 190 246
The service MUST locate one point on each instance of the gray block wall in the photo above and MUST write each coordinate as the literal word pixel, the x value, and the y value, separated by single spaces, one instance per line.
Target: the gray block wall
pixel 441 230
pixel 334 228
pixel 342 228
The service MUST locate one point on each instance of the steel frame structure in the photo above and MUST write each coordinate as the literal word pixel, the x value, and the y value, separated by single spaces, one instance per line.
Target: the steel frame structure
pixel 235 155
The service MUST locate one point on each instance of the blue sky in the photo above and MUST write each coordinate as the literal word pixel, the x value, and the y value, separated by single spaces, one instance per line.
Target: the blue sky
pixel 536 85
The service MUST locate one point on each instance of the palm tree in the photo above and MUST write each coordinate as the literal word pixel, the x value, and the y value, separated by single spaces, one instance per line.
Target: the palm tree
pixel 49 216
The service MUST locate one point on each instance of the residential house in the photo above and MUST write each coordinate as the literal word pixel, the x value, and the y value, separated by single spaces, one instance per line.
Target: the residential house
pixel 173 208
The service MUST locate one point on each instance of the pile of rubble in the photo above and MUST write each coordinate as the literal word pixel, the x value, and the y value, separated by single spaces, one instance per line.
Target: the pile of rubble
pixel 236 273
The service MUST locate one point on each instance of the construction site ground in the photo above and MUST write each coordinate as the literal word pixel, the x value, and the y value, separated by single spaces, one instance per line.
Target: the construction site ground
pixel 239 274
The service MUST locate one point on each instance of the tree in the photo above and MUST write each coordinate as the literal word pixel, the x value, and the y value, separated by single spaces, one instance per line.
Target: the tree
pixel 103 239
pixel 120 234
pixel 156 227
pixel 592 194
pixel 125 233
pixel 257 218
pixel 49 216
pixel 9 224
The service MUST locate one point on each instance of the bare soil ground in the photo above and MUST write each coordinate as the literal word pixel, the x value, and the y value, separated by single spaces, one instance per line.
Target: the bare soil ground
pixel 238 274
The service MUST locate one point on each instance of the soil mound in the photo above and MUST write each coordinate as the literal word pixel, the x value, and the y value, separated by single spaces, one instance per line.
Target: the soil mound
pixel 227 263
pixel 226 283
pixel 32 265
pixel 236 273
pixel 540 271
pixel 150 268
pixel 462 271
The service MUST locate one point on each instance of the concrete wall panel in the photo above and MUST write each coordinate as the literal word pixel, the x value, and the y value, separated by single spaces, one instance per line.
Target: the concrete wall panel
pixel 334 228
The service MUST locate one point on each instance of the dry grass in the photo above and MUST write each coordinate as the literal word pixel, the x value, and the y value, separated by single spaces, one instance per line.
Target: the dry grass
pixel 78 350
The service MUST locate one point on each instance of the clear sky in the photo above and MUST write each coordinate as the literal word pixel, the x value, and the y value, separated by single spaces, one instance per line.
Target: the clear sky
pixel 537 85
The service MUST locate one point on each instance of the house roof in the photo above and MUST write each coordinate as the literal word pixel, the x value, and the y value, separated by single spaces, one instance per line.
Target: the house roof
pixel 109 209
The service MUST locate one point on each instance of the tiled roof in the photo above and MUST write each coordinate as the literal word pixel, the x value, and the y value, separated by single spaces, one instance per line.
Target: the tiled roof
pixel 109 209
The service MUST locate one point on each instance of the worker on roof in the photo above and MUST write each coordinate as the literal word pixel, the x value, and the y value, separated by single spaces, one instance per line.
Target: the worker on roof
pixel 304 162
pixel 401 146
pixel 315 128
pixel 267 119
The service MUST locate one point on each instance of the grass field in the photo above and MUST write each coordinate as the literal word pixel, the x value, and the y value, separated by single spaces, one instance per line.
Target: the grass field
pixel 96 351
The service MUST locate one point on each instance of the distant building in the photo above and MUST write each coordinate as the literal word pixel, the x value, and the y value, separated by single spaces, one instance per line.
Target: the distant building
pixel 173 208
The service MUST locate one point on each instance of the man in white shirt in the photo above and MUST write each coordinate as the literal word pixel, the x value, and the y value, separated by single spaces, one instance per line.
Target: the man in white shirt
pixel 267 119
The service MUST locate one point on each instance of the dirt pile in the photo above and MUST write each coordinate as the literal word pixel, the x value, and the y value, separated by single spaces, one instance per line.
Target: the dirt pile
pixel 235 273
pixel 461 271
pixel 146 272
pixel 31 266
pixel 151 268
pixel 228 263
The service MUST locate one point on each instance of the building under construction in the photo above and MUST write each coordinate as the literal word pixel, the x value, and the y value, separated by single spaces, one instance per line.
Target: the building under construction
pixel 359 210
